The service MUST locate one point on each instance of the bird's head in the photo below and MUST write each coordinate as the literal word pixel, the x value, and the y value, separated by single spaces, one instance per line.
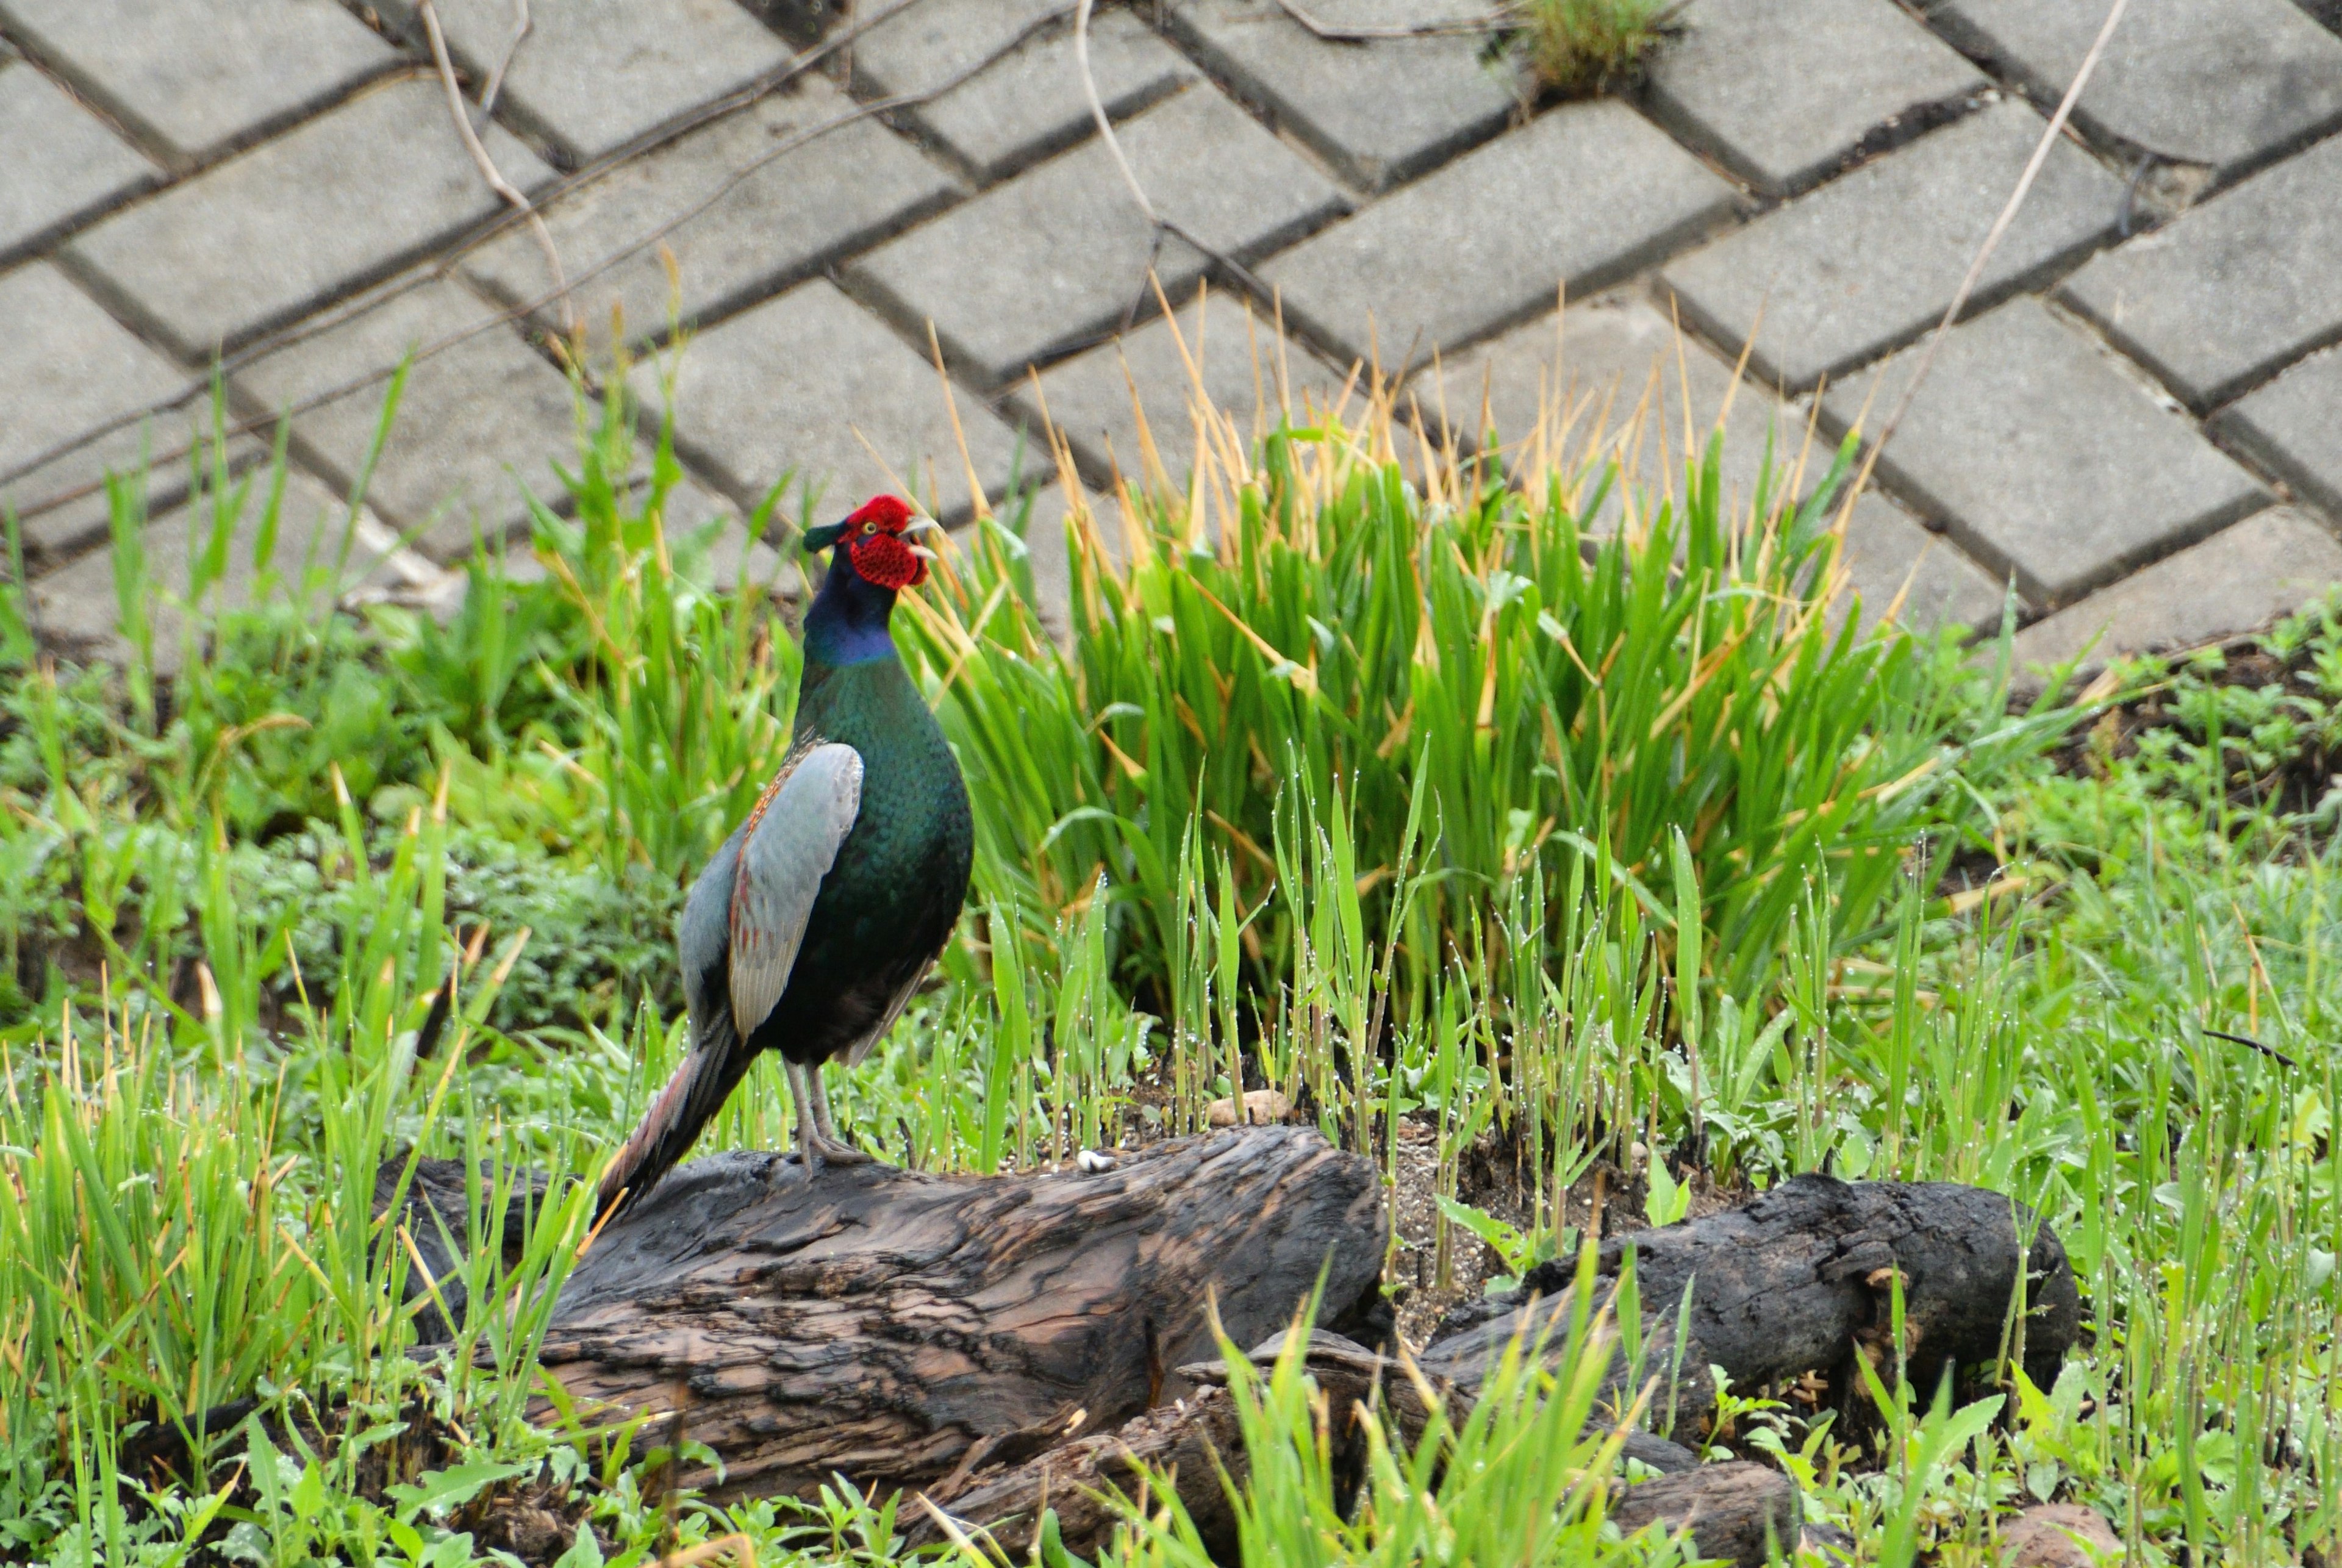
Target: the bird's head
pixel 876 542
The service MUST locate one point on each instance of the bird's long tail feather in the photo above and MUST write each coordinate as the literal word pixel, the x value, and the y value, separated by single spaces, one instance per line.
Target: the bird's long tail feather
pixel 702 1083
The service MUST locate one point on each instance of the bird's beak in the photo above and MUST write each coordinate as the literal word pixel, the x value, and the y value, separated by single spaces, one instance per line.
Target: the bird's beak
pixel 923 525
pixel 923 553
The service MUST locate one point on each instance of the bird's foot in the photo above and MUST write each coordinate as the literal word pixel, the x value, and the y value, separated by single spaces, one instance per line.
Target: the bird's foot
pixel 829 1151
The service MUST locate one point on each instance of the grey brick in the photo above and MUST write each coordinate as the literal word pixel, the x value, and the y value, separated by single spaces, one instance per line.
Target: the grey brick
pixel 1064 249
pixel 2238 581
pixel 1888 552
pixel 475 424
pixel 1740 82
pixel 2294 426
pixel 196 76
pixel 800 384
pixel 778 223
pixel 1247 373
pixel 2232 289
pixel 927 45
pixel 594 75
pixel 2224 84
pixel 72 369
pixel 63 163
pixel 1031 102
pixel 1870 261
pixel 1579 197
pixel 1381 111
pixel 79 610
pixel 269 235
pixel 2044 456
pixel 1611 381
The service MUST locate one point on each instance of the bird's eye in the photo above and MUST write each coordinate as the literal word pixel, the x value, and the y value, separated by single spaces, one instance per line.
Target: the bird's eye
pixel 870 527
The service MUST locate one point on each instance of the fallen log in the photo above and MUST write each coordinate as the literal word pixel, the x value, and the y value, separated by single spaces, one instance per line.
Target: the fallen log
pixel 1800 1280
pixel 887 1325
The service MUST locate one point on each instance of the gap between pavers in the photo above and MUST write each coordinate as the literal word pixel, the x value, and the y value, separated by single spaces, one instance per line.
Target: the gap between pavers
pixel 1054 257
pixel 2043 456
pixel 783 388
pixel 273 234
pixel 2233 289
pixel 1870 261
pixel 64 163
pixel 195 78
pixel 1581 197
pixel 593 75
pixel 2268 565
pixel 77 368
pixel 766 229
pixel 2293 426
pixel 1741 84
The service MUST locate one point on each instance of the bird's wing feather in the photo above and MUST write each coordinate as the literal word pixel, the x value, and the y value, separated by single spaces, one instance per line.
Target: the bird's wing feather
pixel 703 936
pixel 792 840
pixel 863 1047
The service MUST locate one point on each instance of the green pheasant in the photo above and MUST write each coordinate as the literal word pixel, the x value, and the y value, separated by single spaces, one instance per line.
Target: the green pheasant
pixel 814 922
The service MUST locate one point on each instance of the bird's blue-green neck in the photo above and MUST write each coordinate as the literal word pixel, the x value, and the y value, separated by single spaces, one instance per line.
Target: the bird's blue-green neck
pixel 847 622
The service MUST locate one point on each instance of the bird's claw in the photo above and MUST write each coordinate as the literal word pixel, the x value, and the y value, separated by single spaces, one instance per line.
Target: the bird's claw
pixel 828 1152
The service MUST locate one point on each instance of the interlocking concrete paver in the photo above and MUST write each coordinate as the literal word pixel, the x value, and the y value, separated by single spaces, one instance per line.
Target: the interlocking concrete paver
pixel 2222 83
pixel 79 609
pixel 2043 456
pixel 2293 425
pixel 1031 102
pixel 1871 260
pixel 2232 289
pixel 799 384
pixel 62 164
pixel 1381 110
pixel 924 46
pixel 1611 381
pixel 475 424
pixel 71 368
pixel 1888 552
pixel 2265 566
pixel 594 74
pixel 196 76
pixel 1741 84
pixel 1587 193
pixel 1246 371
pixel 778 223
pixel 1063 248
pixel 289 226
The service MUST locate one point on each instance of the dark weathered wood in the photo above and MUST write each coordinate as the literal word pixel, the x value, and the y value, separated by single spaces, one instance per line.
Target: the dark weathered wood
pixel 1800 1279
pixel 879 1323
pixel 1741 1513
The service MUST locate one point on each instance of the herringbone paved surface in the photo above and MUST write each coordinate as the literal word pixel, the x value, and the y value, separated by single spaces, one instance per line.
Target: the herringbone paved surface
pixel 2138 425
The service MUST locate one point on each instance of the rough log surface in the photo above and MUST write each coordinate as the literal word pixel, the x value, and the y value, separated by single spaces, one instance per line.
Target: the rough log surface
pixel 881 1323
pixel 1738 1511
pixel 1800 1280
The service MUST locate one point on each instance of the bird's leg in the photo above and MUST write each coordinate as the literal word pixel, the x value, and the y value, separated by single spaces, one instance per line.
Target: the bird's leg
pixel 834 1149
pixel 808 1149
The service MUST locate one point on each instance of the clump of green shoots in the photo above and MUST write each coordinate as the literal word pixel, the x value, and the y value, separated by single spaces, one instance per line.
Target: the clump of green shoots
pixel 1583 46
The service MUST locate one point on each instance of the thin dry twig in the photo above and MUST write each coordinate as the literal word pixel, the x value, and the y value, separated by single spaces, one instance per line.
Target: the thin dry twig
pixel 487 165
pixel 1992 239
pixel 327 321
pixel 512 47
pixel 1332 35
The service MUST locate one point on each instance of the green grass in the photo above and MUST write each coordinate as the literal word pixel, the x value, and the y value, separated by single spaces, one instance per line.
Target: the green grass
pixel 1574 46
pixel 1394 788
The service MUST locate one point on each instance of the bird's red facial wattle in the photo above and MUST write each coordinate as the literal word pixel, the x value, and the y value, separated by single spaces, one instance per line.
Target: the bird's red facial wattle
pixel 875 539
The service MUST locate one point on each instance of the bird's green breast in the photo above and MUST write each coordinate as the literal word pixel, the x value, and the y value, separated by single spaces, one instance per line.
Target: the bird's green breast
pixel 902 873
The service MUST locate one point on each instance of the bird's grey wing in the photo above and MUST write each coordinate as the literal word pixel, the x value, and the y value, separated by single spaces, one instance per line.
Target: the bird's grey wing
pixel 704 936
pixel 792 840
pixel 863 1046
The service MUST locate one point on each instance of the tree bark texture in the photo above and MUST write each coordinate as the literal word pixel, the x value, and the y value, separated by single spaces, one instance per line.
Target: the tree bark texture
pixel 1009 1344
pixel 882 1323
